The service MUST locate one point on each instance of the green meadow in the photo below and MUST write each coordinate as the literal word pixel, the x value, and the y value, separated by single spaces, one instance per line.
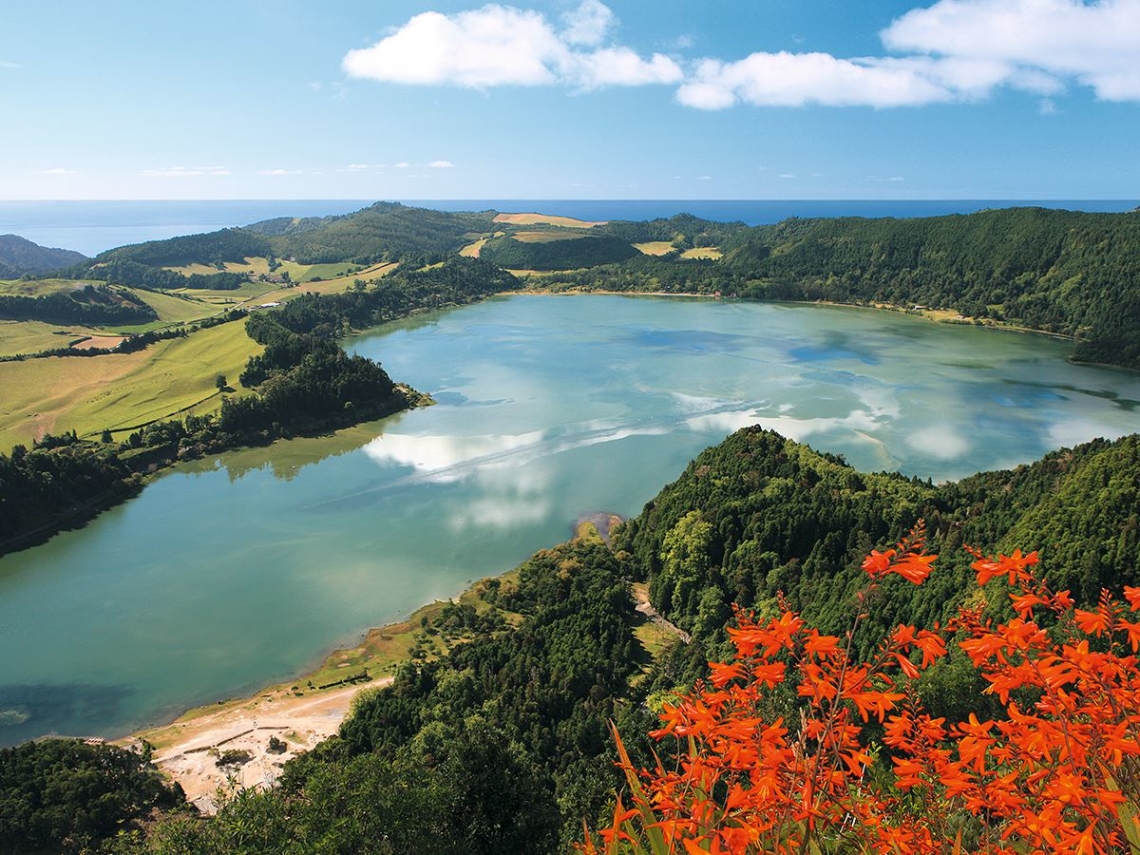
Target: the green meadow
pixel 120 391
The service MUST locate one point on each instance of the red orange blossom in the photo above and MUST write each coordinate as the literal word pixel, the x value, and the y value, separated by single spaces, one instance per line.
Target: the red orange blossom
pixel 1059 772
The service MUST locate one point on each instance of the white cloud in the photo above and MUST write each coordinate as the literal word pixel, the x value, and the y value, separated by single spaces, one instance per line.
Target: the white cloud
pixel 59 170
pixel 950 52
pixel 1094 43
pixel 403 164
pixel 795 79
pixel 441 164
pixel 502 45
pixel 185 172
pixel 279 172
pixel 588 24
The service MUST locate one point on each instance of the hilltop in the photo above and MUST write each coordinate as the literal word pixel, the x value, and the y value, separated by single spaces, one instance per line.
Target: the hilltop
pixel 20 257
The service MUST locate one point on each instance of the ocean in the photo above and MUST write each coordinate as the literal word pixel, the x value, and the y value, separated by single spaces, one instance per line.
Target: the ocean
pixel 92 227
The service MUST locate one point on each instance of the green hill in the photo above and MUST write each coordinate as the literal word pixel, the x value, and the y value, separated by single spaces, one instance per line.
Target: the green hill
pixel 20 256
pixel 1066 272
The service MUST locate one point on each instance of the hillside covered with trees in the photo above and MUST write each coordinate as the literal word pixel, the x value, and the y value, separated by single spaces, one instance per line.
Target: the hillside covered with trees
pixel 20 256
pixel 1067 272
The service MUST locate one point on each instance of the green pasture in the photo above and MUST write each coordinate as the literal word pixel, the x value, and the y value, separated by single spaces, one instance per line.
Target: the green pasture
pixel 174 308
pixel 40 287
pixel 119 391
pixel 26 337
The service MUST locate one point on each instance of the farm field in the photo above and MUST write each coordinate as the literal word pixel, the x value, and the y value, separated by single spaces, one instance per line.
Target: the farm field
pixel 119 391
pixel 710 252
pixel 472 249
pixel 655 247
pixel 533 219
pixel 26 337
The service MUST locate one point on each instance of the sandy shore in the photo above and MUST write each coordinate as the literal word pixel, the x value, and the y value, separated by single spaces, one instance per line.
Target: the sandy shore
pixel 189 749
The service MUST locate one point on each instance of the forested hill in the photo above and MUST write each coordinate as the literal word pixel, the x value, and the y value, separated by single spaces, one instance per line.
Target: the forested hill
pixel 382 232
pixel 19 256
pixel 760 514
pixel 1060 271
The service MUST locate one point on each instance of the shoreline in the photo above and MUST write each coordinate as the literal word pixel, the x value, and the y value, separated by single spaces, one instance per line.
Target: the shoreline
pixel 281 721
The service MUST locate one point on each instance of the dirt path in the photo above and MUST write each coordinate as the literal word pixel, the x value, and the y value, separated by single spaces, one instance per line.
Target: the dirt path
pixel 188 749
pixel 642 604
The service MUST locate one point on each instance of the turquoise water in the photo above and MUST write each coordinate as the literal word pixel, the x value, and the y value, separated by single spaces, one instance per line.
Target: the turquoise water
pixel 244 570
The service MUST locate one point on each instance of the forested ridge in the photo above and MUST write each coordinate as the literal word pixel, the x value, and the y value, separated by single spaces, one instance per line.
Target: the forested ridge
pixel 385 231
pixel 503 745
pixel 20 256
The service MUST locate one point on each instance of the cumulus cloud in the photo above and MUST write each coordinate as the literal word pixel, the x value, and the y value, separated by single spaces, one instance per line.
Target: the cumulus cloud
pixel 441 164
pixel 795 79
pixel 1096 44
pixel 588 24
pixel 503 45
pixel 185 172
pixel 951 51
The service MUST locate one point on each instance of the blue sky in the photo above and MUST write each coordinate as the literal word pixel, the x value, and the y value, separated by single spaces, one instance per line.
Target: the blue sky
pixel 565 99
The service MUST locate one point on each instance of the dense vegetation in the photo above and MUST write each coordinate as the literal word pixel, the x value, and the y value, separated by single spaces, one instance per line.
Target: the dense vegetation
pixel 386 231
pixel 60 479
pixel 86 304
pixel 684 231
pixel 1067 272
pixel 62 795
pixel 760 514
pixel 20 257
pixel 568 254
pixel 212 248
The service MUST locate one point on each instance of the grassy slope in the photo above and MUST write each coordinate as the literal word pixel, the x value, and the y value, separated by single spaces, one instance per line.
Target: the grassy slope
pixel 119 391
pixel 35 336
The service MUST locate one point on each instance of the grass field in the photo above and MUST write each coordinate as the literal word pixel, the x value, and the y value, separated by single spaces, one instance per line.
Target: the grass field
pixel 655 247
pixel 173 308
pixel 532 219
pixel 712 252
pixel 472 249
pixel 39 287
pixel 119 391
pixel 36 336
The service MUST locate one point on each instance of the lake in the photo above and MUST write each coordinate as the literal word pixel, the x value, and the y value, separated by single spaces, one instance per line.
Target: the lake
pixel 239 571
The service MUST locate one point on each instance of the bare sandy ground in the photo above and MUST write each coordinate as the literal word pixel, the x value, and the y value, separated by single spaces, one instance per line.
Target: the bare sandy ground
pixel 189 749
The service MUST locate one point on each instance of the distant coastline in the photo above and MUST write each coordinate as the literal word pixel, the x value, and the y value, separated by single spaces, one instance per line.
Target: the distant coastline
pixel 91 227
